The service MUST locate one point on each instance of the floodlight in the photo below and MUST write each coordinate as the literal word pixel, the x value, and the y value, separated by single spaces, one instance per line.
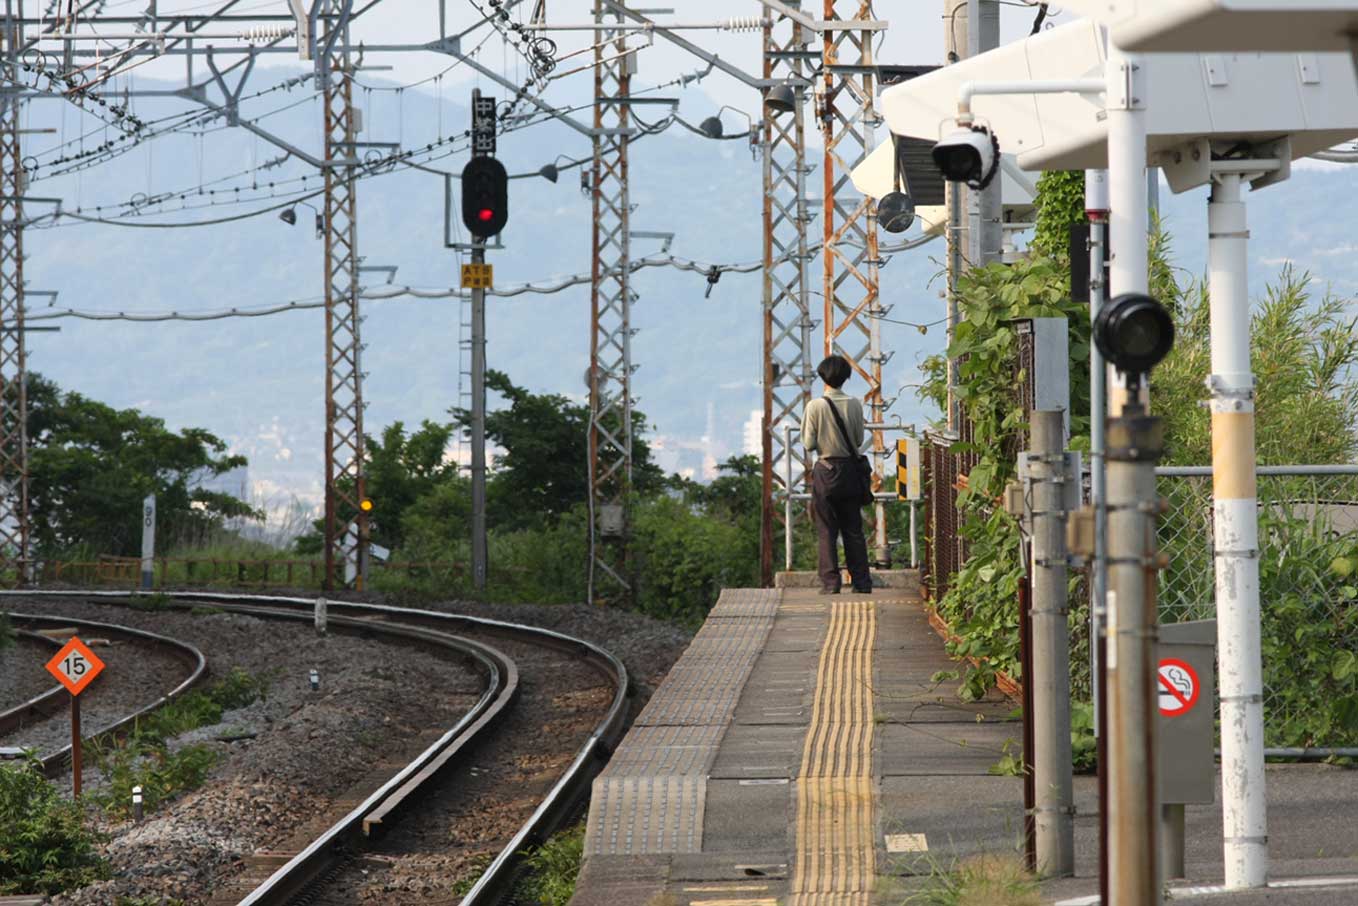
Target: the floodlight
pixel 1223 26
pixel 711 127
pixel 288 216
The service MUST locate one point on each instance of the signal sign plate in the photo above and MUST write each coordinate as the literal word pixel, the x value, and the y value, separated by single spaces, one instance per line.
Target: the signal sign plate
pixel 75 666
pixel 1178 685
pixel 478 276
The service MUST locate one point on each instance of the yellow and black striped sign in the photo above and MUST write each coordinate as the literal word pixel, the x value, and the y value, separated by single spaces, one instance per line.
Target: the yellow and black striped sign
pixel 907 469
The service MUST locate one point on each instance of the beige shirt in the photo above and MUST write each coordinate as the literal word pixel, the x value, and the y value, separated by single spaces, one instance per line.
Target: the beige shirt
pixel 819 431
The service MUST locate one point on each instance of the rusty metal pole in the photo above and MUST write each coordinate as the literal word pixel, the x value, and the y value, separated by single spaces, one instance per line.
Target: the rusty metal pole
pixel 346 522
pixel 787 320
pixel 76 766
pixel 853 307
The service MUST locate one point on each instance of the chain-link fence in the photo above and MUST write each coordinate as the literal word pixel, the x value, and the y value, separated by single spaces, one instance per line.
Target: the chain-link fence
pixel 1308 590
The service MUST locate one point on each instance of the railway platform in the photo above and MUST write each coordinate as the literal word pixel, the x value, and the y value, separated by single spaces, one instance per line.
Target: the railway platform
pixel 803 750
pixel 812 750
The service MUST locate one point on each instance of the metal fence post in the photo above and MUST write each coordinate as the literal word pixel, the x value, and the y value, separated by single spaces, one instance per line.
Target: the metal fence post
pixel 1051 648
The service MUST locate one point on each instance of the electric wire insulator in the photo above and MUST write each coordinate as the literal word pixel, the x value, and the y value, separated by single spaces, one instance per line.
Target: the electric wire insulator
pixel 260 33
pixel 743 23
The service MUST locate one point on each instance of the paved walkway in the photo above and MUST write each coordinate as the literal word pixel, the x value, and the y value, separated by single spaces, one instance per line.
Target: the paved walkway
pixel 802 753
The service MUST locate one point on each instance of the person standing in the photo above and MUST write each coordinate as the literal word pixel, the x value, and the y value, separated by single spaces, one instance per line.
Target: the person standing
pixel 832 426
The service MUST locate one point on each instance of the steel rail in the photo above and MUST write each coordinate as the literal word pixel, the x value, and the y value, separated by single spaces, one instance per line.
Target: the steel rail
pixel 559 803
pixel 55 763
pixel 40 706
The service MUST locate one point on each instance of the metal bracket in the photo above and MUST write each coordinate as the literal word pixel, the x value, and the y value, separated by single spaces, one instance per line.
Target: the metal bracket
pixel 232 96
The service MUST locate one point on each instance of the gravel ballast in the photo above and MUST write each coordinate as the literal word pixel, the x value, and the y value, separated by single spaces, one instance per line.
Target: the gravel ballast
pixel 300 755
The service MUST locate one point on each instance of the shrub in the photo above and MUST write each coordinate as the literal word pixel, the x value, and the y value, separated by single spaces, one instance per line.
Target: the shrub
pixel 45 846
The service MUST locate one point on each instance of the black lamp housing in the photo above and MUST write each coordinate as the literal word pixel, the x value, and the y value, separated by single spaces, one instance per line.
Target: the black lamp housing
pixel 1134 332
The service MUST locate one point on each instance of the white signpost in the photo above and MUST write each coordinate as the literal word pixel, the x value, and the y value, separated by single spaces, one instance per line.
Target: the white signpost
pixel 148 540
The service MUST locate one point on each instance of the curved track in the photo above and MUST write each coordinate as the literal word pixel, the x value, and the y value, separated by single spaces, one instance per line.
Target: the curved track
pixel 53 702
pixel 393 801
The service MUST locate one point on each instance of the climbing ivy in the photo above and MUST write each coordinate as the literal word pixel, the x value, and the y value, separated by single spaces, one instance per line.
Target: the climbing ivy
pixel 1060 202
pixel 979 604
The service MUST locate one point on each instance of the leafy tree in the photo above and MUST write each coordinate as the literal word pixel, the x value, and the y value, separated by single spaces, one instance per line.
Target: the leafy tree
pixel 403 470
pixel 542 472
pixel 90 465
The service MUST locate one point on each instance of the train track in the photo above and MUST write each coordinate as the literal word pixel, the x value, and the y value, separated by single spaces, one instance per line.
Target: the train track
pixel 422 785
pixel 53 702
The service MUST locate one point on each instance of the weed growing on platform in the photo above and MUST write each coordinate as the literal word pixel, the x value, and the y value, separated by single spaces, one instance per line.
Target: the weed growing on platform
pixel 986 880
pixel 45 846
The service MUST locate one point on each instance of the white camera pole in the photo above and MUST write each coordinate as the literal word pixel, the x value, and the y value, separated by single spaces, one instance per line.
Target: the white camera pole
pixel 1236 532
pixel 1128 221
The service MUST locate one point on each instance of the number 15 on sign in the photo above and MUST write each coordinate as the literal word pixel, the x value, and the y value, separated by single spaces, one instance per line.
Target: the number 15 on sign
pixel 75 666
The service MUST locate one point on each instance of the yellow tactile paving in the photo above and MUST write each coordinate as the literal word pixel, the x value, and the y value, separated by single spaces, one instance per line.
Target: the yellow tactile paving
pixel 835 860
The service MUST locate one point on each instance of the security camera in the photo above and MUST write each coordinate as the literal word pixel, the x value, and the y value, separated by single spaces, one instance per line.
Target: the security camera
pixel 971 154
pixel 1135 333
pixel 896 212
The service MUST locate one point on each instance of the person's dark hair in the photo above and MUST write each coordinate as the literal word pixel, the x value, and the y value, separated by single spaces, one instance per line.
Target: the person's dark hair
pixel 834 370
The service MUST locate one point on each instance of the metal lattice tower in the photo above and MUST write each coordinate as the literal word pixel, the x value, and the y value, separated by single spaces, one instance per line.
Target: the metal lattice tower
pixel 610 350
pixel 852 301
pixel 13 383
pixel 787 316
pixel 346 524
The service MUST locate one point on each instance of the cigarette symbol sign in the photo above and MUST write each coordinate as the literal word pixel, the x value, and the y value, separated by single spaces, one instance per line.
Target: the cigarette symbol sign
pixel 75 665
pixel 1179 687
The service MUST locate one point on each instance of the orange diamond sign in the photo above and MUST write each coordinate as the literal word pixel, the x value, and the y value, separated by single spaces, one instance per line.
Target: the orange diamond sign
pixel 75 665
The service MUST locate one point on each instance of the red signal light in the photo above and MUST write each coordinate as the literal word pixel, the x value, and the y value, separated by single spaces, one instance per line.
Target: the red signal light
pixel 486 215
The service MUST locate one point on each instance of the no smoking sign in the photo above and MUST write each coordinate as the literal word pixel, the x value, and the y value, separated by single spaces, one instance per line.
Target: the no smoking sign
pixel 1178 685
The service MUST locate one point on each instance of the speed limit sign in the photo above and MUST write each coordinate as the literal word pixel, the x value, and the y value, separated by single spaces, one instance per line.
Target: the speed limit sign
pixel 75 666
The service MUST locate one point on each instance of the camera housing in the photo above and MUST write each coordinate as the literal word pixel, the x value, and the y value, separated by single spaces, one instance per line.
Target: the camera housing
pixel 970 154
pixel 896 212
pixel 1134 332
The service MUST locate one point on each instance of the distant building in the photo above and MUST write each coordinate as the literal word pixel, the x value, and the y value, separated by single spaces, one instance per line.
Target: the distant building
pixel 752 434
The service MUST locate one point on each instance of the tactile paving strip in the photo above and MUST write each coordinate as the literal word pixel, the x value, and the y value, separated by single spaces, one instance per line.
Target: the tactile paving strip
pixel 650 798
pixel 835 849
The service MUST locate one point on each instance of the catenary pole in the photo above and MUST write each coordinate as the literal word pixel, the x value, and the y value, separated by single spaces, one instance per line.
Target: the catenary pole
pixel 1050 647
pixel 1236 539
pixel 14 526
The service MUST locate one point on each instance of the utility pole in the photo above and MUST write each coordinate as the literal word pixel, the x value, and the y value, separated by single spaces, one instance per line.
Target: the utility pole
pixel 787 317
pixel 346 518
pixel 853 304
pixel 610 351
pixel 13 365
pixel 1055 801
pixel 1128 221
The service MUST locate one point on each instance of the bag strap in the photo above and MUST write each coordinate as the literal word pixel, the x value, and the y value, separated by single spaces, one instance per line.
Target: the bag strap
pixel 843 431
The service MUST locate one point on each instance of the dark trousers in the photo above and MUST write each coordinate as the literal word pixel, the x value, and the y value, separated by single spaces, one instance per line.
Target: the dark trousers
pixel 838 515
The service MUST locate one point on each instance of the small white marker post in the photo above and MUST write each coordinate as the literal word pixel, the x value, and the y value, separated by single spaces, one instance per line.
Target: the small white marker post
pixel 136 803
pixel 315 680
pixel 148 540
pixel 320 615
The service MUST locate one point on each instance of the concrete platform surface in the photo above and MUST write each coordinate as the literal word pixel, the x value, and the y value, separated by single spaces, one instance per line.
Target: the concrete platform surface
pixel 802 753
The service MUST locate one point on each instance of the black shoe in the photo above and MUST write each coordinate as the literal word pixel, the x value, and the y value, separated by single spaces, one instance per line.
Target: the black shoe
pixel 829 591
pixel 867 590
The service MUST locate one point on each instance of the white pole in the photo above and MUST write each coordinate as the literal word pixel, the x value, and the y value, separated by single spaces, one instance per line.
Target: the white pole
pixel 148 541
pixel 1236 541
pixel 1096 209
pixel 1128 220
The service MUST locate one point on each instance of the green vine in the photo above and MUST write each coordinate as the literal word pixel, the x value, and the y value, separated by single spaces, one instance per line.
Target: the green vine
pixel 1060 202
